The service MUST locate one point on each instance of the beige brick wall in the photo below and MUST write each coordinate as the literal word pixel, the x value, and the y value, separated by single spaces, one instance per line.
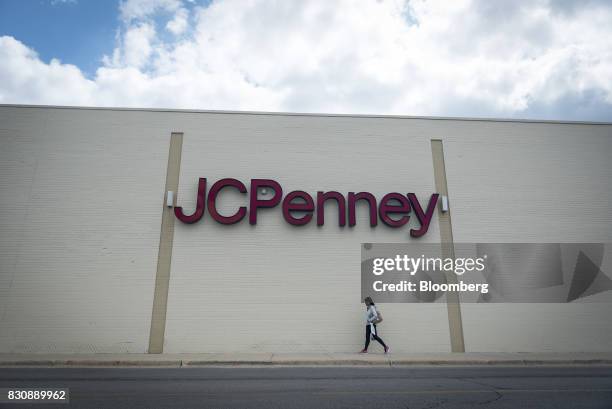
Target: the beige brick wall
pixel 542 183
pixel 80 214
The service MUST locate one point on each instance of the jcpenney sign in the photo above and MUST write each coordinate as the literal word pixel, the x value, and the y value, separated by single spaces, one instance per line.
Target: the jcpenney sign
pixel 299 207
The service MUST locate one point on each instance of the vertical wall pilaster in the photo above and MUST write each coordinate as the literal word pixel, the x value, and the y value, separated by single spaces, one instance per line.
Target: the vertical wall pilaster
pixel 164 258
pixel 453 305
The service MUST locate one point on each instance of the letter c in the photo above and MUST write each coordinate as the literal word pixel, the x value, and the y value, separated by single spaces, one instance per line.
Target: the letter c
pixel 212 197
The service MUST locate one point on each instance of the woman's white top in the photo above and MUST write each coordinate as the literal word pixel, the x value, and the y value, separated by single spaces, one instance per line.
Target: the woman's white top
pixel 371 314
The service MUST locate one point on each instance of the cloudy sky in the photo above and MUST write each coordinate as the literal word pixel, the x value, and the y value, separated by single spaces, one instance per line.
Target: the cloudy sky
pixel 545 59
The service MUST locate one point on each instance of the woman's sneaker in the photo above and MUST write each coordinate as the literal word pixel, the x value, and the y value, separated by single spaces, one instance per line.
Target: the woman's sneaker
pixel 387 349
pixel 363 351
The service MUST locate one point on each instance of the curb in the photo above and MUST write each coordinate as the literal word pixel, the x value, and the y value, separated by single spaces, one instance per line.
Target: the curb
pixel 180 363
pixel 90 362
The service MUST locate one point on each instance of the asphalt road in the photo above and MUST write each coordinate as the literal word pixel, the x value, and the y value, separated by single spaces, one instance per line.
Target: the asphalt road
pixel 322 387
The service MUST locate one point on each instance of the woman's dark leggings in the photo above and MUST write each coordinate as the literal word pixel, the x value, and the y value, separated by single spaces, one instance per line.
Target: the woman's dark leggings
pixel 375 336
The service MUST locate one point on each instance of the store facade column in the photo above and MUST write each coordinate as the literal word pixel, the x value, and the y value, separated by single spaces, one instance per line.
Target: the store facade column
pixel 453 304
pixel 164 258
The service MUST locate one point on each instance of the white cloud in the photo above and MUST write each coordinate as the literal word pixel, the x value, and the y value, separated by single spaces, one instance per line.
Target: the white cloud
pixel 25 79
pixel 140 9
pixel 179 23
pixel 137 47
pixel 475 58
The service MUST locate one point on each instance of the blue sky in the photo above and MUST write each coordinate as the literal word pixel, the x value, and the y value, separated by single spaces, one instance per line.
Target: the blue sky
pixel 537 59
pixel 77 33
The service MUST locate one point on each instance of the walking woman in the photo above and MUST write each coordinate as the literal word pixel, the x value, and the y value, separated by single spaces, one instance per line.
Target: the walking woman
pixel 373 317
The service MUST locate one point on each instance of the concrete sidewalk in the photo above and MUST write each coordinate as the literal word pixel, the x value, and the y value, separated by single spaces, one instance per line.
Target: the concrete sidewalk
pixel 330 359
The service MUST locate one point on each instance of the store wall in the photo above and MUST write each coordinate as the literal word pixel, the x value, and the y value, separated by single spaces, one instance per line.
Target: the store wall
pixel 541 184
pixel 82 197
pixel 79 228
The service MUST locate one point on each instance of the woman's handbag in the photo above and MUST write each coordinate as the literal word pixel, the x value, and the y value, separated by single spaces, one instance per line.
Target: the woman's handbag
pixel 379 318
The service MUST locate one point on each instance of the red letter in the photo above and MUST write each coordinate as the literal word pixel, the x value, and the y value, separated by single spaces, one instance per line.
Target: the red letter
pixel 424 218
pixel 256 203
pixel 387 208
pixel 352 200
pixel 212 197
pixel 288 207
pixel 321 198
pixel 199 212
